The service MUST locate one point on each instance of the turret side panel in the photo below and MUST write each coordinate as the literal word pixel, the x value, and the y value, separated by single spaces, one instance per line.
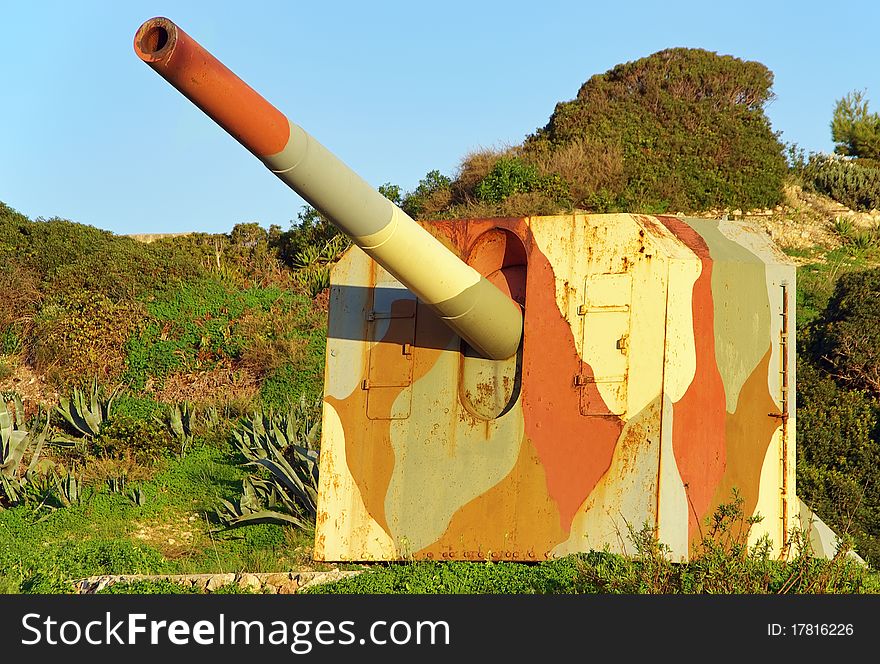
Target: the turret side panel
pixel 726 440
pixel 691 340
pixel 343 514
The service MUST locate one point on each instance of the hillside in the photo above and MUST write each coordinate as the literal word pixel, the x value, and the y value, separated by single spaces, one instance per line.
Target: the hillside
pixel 146 377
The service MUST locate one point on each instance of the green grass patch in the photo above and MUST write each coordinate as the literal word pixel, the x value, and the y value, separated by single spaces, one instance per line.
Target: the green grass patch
pixel 173 531
pixel 600 572
pixel 556 576
pixel 195 325
pixel 816 280
pixel 137 407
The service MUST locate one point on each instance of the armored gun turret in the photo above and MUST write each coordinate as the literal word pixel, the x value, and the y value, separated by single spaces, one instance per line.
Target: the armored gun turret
pixel 517 389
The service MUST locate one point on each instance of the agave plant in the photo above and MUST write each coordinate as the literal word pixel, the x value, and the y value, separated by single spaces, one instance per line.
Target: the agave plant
pixel 286 446
pixel 15 443
pixel 68 489
pixel 211 418
pixel 180 421
pixel 330 252
pixel 313 279
pixel 86 413
pixel 138 497
pixel 313 263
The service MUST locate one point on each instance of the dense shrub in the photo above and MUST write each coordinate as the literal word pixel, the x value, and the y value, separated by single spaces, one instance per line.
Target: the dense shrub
pixel 69 257
pixel 82 335
pixel 511 176
pixel 432 194
pixel 855 183
pixel 838 464
pixel 690 126
pixel 591 170
pixel 146 440
pixel 847 336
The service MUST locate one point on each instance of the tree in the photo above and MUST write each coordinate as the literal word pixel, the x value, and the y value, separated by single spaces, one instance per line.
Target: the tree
pixel 391 192
pixel 855 131
pixel 430 195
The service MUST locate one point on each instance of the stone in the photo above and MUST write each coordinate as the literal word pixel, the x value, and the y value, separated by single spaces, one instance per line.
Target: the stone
pixel 278 579
pixel 219 580
pixel 288 588
pixel 250 582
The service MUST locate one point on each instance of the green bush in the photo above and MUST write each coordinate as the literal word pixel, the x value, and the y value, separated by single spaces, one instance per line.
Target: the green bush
pixel 147 440
pixel 855 183
pixel 558 576
pixel 81 336
pixel 432 193
pixel 691 127
pixel 838 458
pixel 137 408
pixel 74 292
pixel 511 176
pixel 848 333
pixel 70 257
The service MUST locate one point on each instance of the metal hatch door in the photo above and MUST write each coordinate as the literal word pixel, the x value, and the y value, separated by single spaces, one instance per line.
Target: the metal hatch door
pixel 391 333
pixel 605 355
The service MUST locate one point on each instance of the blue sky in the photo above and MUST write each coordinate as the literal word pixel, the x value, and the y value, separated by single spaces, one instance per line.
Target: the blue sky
pixel 395 89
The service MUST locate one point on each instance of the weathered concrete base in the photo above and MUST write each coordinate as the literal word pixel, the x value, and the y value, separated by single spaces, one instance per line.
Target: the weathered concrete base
pixel 273 583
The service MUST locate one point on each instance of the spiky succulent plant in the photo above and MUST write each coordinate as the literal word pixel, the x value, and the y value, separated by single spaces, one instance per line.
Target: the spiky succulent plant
pixel 16 443
pixel 86 412
pixel 285 445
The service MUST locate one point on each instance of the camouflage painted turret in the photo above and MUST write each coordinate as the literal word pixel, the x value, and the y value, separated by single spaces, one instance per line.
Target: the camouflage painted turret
pixel 524 388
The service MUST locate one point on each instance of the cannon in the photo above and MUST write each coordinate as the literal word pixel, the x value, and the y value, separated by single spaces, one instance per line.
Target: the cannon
pixel 525 388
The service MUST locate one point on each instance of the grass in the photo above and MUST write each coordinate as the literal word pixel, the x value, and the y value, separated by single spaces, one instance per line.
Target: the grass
pixel 721 563
pixel 174 531
pixel 816 278
pixel 606 573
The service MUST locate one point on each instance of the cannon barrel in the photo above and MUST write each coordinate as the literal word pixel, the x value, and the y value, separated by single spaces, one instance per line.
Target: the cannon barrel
pixel 471 305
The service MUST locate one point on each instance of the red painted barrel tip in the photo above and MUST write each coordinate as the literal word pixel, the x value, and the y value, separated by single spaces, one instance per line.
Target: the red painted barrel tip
pixel 210 85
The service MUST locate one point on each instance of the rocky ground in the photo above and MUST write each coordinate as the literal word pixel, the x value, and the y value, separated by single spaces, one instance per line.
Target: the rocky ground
pixel 804 220
pixel 279 583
